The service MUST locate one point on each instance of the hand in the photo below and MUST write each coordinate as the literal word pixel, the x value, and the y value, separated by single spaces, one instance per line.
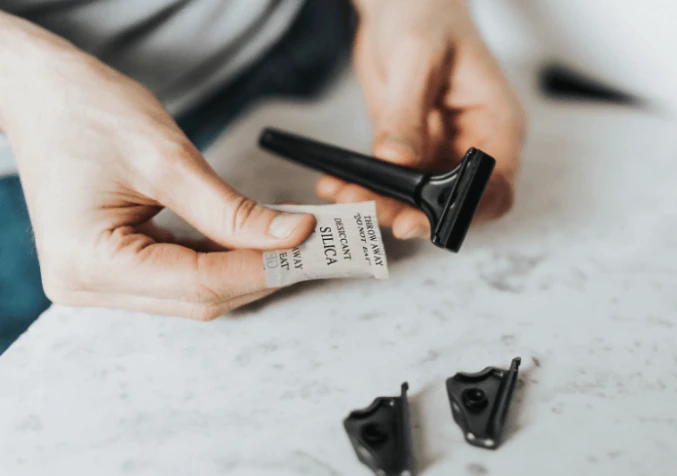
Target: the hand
pixel 99 157
pixel 433 90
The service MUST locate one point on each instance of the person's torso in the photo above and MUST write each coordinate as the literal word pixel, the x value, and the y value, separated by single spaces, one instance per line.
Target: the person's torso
pixel 183 50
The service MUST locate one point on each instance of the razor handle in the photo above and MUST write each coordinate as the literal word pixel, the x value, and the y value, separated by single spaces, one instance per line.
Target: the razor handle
pixel 449 200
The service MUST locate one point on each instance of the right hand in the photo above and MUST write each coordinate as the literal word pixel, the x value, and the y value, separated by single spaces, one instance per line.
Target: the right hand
pixel 433 90
pixel 99 157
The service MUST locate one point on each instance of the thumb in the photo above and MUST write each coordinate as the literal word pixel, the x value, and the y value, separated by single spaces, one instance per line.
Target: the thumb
pixel 229 218
pixel 412 85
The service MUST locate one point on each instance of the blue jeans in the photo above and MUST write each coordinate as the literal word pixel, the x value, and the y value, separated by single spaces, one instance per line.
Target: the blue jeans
pixel 299 65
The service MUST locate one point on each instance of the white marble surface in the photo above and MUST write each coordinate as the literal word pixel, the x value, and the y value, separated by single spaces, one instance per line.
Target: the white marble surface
pixel 580 281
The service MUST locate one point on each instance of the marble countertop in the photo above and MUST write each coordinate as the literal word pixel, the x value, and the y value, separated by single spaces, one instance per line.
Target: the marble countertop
pixel 580 280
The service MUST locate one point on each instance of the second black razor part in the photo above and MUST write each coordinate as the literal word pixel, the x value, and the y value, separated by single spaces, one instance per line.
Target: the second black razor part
pixel 381 435
pixel 480 403
pixel 449 200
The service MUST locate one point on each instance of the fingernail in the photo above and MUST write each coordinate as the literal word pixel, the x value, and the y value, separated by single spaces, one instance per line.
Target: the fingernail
pixel 284 224
pixel 418 232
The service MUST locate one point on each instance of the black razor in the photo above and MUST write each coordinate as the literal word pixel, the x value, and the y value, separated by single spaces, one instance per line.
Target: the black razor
pixel 449 200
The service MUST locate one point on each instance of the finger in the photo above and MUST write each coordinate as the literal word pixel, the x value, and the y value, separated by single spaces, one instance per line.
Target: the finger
pixel 386 208
pixel 203 245
pixel 338 191
pixel 500 133
pixel 328 187
pixel 415 76
pixel 411 223
pixel 196 193
pixel 241 301
pixel 498 199
pixel 157 232
pixel 164 235
pixel 135 264
pixel 166 307
pixel 441 147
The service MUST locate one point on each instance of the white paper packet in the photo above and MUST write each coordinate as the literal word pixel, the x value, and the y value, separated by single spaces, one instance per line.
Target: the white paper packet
pixel 346 243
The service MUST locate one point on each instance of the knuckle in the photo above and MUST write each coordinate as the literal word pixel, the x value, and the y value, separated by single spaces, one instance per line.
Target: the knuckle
pixel 205 313
pixel 205 289
pixel 500 197
pixel 240 213
pixel 201 292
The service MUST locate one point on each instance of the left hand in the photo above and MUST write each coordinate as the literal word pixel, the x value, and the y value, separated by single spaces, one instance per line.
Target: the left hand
pixel 433 90
pixel 99 157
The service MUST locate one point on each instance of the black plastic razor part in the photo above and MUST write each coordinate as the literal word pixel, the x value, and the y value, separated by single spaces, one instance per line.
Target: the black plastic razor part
pixel 480 403
pixel 381 435
pixel 449 199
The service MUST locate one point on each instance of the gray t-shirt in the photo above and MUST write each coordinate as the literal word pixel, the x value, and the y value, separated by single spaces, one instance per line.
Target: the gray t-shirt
pixel 182 50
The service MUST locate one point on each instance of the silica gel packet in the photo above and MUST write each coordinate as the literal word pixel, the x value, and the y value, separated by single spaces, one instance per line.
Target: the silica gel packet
pixel 346 243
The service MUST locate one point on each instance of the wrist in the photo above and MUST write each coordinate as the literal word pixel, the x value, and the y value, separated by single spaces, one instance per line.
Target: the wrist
pixel 371 8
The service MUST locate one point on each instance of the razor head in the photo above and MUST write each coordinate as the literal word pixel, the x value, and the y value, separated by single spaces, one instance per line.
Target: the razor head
pixel 449 200
pixel 469 179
